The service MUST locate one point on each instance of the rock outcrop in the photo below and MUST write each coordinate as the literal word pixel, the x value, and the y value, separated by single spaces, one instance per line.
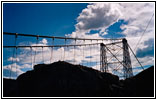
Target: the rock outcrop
pixel 61 79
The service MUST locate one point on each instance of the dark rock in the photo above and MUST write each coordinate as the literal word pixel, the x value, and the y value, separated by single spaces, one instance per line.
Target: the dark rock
pixel 141 85
pixel 9 88
pixel 145 83
pixel 61 79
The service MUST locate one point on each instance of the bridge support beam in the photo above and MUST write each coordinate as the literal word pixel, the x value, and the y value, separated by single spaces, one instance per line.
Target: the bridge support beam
pixel 126 64
pixel 103 58
pixel 126 60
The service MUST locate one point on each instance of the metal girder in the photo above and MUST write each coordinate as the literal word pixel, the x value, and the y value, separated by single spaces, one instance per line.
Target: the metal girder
pixel 126 60
pixel 126 63
pixel 103 59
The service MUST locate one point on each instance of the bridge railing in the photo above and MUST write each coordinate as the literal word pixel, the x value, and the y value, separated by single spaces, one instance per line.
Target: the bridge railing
pixel 22 51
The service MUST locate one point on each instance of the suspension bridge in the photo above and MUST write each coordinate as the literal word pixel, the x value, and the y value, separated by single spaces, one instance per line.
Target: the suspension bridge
pixel 107 55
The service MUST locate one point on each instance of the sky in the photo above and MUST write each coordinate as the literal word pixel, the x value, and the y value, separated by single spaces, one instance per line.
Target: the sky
pixel 81 20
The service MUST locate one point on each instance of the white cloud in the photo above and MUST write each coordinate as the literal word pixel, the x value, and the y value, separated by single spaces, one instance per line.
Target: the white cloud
pixel 97 16
pixel 137 16
pixel 12 70
pixel 13 59
pixel 44 41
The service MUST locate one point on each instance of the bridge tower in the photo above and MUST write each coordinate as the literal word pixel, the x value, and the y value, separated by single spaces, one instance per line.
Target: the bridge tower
pixel 126 62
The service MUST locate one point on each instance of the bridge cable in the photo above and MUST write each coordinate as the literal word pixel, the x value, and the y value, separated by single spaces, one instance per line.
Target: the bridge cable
pixel 96 53
pixel 41 36
pixel 90 52
pixel 135 57
pixel 52 51
pixel 37 39
pixel 83 53
pixel 64 49
pixel 61 53
pixel 143 32
pixel 68 50
pixel 80 53
pixel 13 56
pixel 42 55
pixel 16 61
pixel 31 58
pixel 74 52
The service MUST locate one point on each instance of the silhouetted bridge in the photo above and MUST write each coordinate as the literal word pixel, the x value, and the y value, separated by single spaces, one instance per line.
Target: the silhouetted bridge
pixel 107 55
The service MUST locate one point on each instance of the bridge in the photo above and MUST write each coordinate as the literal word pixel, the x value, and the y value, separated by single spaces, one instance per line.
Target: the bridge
pixel 105 54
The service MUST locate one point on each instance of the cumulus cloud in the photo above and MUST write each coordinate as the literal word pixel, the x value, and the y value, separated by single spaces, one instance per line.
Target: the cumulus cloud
pixel 44 41
pixel 136 15
pixel 148 50
pixel 99 17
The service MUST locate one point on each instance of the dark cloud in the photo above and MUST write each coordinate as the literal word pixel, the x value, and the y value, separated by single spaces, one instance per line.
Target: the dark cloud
pixel 148 51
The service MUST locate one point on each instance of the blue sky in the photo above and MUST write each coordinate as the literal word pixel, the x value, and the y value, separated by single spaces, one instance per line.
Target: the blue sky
pixel 77 20
pixel 43 19
pixel 39 19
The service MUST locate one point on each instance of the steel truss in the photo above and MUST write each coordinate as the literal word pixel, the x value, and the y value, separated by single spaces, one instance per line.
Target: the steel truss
pixel 123 59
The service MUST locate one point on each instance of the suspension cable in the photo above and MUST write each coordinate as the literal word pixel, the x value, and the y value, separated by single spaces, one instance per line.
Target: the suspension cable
pixel 61 53
pixel 16 61
pixel 52 50
pixel 135 57
pixel 41 36
pixel 13 56
pixel 31 58
pixel 42 55
pixel 90 52
pixel 64 50
pixel 96 54
pixel 100 50
pixel 56 45
pixel 75 52
pixel 143 32
pixel 83 53
pixel 68 49
pixel 80 54
pixel 36 49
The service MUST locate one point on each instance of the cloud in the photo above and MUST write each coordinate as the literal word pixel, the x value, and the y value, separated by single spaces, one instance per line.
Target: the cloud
pixel 12 70
pixel 13 59
pixel 147 51
pixel 135 15
pixel 99 17
pixel 138 16
pixel 44 41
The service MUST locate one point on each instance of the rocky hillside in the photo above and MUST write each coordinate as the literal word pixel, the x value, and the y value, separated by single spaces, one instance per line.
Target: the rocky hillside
pixel 61 79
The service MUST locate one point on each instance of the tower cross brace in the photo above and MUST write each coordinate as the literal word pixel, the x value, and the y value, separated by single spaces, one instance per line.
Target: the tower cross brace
pixel 126 63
